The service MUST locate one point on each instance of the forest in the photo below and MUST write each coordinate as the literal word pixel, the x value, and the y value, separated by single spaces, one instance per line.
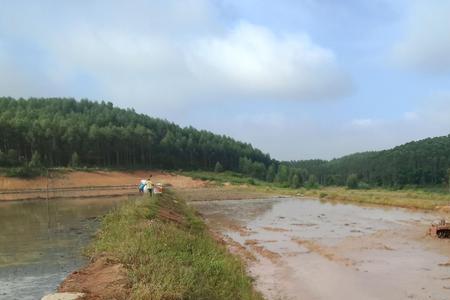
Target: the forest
pixel 65 132
pixel 60 132
pixel 419 163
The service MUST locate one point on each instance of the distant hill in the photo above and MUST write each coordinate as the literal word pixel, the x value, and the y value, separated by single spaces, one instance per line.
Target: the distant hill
pixel 424 162
pixel 58 132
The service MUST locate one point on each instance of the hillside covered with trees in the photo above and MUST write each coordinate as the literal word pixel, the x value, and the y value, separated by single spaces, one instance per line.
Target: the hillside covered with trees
pixel 36 133
pixel 65 132
pixel 419 163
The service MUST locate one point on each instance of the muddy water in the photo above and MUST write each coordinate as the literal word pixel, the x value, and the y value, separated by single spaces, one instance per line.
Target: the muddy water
pixel 307 249
pixel 41 243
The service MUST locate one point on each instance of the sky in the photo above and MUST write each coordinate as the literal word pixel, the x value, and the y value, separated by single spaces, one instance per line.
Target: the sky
pixel 298 79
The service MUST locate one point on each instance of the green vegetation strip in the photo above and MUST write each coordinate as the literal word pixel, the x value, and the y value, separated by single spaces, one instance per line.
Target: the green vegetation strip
pixel 417 198
pixel 408 198
pixel 169 253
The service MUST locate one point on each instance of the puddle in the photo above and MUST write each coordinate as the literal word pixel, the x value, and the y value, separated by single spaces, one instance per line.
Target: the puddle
pixel 308 249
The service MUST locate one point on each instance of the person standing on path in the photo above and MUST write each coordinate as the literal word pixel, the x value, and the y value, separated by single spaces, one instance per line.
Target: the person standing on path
pixel 150 185
pixel 142 185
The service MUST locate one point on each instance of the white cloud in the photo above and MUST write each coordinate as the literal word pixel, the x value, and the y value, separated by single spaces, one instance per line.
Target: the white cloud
pixel 314 138
pixel 178 52
pixel 131 54
pixel 252 61
pixel 425 45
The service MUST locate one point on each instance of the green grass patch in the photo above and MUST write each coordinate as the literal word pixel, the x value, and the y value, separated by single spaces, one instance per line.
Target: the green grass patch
pixel 169 253
pixel 23 172
pixel 409 198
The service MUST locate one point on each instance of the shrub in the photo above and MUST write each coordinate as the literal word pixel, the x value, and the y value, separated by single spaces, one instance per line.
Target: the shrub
pixel 311 183
pixel 74 160
pixel 295 182
pixel 23 172
pixel 323 195
pixel 35 162
pixel 218 168
pixel 352 181
pixel 363 186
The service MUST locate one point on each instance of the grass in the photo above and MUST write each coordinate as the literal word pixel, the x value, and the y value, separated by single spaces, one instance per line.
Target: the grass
pixel 169 253
pixel 22 172
pixel 410 197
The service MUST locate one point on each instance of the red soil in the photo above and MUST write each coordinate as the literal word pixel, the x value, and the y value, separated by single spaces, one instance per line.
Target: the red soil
pixel 97 178
pixel 103 279
pixel 126 184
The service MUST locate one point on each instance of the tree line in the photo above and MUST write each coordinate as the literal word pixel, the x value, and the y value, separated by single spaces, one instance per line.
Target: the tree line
pixel 54 132
pixel 59 132
pixel 419 163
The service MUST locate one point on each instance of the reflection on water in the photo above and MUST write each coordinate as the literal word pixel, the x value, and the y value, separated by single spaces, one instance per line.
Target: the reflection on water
pixel 41 242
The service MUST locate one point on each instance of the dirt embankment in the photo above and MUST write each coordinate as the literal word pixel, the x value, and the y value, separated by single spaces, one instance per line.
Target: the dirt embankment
pixel 86 184
pixel 103 278
pixel 144 275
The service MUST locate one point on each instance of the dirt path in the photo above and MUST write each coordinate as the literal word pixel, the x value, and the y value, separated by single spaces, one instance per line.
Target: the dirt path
pixel 305 249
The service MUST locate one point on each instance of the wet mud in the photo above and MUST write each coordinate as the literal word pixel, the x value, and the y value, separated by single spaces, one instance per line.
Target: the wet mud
pixel 307 249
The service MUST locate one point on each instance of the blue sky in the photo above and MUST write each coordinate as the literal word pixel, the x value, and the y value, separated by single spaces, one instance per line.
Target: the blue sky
pixel 297 79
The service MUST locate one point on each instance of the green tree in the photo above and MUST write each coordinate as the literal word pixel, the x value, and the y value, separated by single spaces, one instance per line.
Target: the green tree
pixel 218 167
pixel 3 159
pixel 258 170
pixel 448 179
pixel 245 165
pixel 75 160
pixel 295 182
pixel 36 161
pixel 352 181
pixel 104 135
pixel 270 174
pixel 282 174
pixel 417 163
pixel 311 182
pixel 12 158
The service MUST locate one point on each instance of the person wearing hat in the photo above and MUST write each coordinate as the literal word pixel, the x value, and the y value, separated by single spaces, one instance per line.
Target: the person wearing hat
pixel 142 185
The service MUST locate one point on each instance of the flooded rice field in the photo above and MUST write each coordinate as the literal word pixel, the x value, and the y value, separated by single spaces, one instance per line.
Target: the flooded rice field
pixel 41 242
pixel 308 249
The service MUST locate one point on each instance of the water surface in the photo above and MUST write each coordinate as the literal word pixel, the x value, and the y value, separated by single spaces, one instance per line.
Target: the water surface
pixel 41 242
pixel 308 249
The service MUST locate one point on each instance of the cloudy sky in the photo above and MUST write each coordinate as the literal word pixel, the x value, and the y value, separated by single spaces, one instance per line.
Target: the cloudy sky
pixel 297 78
